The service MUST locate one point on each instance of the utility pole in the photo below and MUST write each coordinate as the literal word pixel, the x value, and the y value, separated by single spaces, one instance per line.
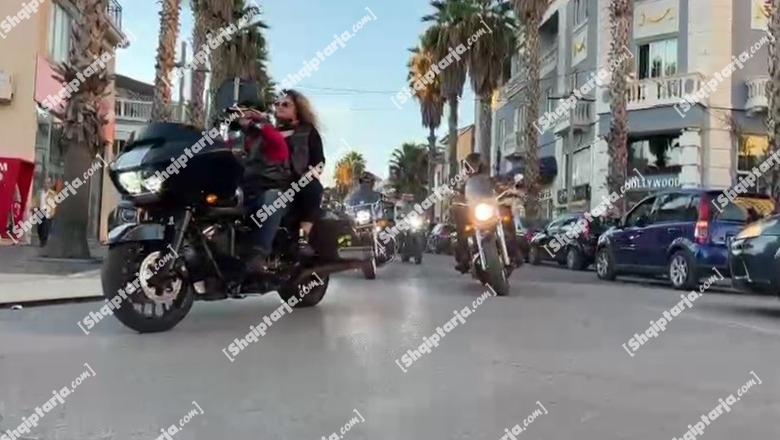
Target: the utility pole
pixel 567 152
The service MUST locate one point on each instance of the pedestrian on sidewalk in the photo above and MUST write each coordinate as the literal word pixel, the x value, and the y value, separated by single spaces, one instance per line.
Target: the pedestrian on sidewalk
pixel 46 194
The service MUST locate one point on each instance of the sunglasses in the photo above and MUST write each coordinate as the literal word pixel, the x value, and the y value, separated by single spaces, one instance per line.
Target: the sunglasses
pixel 283 104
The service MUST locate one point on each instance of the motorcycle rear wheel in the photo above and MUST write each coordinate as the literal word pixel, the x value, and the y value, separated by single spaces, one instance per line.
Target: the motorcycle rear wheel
pixel 309 299
pixel 119 269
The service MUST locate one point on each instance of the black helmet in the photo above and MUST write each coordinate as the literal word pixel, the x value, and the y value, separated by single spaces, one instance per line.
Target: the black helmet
pixel 473 163
pixel 366 177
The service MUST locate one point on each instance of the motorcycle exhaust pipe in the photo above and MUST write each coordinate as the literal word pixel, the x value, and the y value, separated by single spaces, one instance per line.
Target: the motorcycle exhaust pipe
pixel 328 269
pixel 355 253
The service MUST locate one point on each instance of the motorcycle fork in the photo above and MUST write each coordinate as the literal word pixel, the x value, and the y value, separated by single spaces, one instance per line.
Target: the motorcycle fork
pixel 178 240
pixel 502 239
pixel 478 237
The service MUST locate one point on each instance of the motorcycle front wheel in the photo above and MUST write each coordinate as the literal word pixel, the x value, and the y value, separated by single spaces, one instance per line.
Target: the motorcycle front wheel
pixel 145 309
pixel 494 268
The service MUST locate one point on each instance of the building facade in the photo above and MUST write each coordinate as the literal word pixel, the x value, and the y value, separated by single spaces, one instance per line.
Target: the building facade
pixel 441 172
pixel 687 125
pixel 28 52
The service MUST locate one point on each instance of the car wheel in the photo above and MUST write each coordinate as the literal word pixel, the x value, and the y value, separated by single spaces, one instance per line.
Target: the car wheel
pixel 682 271
pixel 605 265
pixel 533 256
pixel 574 260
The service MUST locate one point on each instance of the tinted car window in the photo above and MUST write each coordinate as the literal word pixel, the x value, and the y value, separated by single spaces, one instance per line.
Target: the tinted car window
pixel 641 211
pixel 746 209
pixel 673 208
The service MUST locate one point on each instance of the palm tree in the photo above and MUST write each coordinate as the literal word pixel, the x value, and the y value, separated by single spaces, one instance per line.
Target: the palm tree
pixel 166 59
pixel 348 170
pixel 450 30
pixel 430 100
pixel 409 168
pixel 530 14
pixel 487 57
pixel 621 14
pixel 82 128
pixel 773 96
pixel 201 17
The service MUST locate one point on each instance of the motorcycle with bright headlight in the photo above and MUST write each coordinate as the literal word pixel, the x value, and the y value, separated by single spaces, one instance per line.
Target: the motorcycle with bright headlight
pixel 490 260
pixel 412 241
pixel 369 220
pixel 189 242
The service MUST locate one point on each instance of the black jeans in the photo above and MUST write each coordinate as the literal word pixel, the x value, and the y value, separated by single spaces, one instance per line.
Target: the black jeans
pixel 43 231
pixel 460 218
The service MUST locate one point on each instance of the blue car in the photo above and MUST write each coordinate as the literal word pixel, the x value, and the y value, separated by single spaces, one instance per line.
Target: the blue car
pixel 681 233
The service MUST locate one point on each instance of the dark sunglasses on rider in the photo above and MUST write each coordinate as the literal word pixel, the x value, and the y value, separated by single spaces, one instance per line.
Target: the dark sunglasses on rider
pixel 283 104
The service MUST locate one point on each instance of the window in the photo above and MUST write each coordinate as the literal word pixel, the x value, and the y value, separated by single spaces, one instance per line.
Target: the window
pixel 550 103
pixel 59 33
pixel 580 11
pixel 520 118
pixel 655 155
pixel 580 162
pixel 675 208
pixel 501 132
pixel 640 213
pixel 658 59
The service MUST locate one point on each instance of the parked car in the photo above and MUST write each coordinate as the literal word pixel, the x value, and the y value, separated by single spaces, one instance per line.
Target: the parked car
pixel 439 239
pixel 560 241
pixel 678 233
pixel 755 257
pixel 526 230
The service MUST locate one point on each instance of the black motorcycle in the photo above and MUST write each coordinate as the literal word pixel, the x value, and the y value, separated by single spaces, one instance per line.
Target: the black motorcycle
pixel 490 260
pixel 188 240
pixel 369 221
pixel 412 241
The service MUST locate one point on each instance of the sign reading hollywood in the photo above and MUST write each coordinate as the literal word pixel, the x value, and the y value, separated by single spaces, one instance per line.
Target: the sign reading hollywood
pixel 655 182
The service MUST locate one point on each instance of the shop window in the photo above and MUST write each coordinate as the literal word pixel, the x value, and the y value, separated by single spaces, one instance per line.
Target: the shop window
pixel 655 155
pixel 750 154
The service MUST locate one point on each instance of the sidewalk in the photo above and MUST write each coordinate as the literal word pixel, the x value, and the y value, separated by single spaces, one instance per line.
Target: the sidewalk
pixel 29 288
pixel 24 259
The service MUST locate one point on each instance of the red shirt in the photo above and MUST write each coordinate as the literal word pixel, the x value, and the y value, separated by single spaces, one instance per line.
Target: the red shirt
pixel 274 145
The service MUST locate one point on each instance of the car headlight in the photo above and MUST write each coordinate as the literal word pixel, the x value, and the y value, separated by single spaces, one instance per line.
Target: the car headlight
pixel 484 212
pixel 363 216
pixel 131 182
pixel 415 222
pixel 751 231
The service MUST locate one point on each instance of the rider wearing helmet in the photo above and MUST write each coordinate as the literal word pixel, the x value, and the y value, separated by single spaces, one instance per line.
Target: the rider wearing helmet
pixel 365 193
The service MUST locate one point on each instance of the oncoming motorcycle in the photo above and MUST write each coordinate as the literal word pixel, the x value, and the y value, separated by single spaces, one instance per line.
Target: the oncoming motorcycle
pixel 369 221
pixel 490 260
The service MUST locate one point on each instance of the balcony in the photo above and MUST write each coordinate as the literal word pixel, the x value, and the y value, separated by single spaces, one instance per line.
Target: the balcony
pixel 141 111
pixel 658 92
pixel 757 101
pixel 114 14
pixel 578 118
pixel 549 60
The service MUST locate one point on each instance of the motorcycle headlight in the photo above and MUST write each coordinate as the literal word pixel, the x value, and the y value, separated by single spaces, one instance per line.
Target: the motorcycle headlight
pixel 131 182
pixel 484 212
pixel 363 216
pixel 415 222
pixel 153 183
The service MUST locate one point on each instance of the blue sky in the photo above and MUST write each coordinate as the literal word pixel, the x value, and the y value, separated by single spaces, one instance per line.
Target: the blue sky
pixel 351 90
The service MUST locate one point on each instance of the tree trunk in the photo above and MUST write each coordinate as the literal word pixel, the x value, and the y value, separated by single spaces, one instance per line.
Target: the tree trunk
pixel 532 12
pixel 772 177
pixel 166 58
pixel 485 123
pixel 431 168
pixel 68 235
pixel 452 137
pixel 621 15
pixel 196 112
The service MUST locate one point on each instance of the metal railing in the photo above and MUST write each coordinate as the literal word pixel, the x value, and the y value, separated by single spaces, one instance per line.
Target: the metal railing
pixel 141 111
pixel 114 12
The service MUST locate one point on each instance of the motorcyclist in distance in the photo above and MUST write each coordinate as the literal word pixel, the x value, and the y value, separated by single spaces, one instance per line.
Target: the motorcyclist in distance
pixel 365 193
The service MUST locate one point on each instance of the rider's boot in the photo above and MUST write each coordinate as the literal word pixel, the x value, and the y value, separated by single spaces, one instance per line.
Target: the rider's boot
pixel 303 244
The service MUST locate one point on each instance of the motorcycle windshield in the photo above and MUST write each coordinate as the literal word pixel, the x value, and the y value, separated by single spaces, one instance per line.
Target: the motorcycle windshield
pixel 479 188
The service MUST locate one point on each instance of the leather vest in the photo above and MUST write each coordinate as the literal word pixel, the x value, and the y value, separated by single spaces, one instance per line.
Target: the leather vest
pixel 298 143
pixel 260 173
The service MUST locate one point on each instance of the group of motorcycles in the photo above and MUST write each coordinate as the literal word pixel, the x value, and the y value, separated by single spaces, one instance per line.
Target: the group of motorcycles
pixel 187 240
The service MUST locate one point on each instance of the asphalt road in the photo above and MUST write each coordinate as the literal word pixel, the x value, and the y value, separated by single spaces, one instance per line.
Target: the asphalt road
pixel 556 344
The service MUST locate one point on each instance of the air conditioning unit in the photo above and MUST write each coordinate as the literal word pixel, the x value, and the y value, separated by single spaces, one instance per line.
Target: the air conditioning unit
pixel 6 87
